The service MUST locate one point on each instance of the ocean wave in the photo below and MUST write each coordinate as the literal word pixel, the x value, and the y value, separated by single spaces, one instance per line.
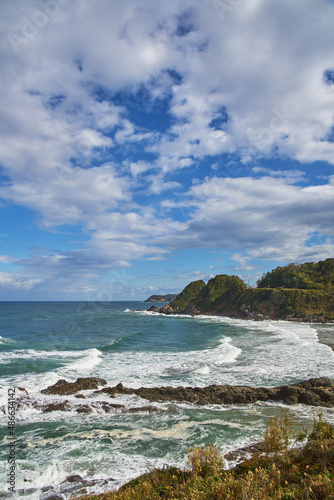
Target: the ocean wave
pixel 4 340
pixel 42 354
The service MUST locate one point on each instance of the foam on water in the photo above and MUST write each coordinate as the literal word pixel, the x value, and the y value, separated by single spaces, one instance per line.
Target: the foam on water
pixel 166 368
pixel 4 340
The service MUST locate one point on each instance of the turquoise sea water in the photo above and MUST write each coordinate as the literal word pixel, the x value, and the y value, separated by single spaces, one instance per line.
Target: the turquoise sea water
pixel 43 342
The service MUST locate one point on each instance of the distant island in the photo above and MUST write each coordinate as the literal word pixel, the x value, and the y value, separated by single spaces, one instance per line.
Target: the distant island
pixel 162 298
pixel 303 292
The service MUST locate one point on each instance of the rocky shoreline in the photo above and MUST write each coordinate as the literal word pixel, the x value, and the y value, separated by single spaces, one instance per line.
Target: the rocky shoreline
pixel 245 315
pixel 315 392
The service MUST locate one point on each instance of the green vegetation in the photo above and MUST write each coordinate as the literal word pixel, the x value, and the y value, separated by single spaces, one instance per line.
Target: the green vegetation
pixel 188 295
pixel 308 276
pixel 281 303
pixel 304 292
pixel 277 472
pixel 221 290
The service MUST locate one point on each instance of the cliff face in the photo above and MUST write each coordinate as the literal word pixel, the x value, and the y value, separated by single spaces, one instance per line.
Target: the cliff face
pixel 230 296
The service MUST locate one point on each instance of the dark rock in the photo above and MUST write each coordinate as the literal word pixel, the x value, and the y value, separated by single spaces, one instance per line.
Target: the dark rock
pixel 318 392
pixel 75 478
pixel 62 406
pixel 111 391
pixel 154 309
pixel 241 453
pixel 168 310
pixel 45 489
pixel 190 310
pixel 149 409
pixel 64 388
pixel 108 407
pixel 84 409
pixel 80 396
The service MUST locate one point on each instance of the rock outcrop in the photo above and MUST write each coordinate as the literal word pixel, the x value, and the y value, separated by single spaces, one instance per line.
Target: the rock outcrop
pixel 64 388
pixel 315 392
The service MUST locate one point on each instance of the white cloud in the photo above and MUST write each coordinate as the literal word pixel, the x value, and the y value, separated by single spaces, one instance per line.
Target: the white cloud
pixel 10 281
pixel 247 83
pixel 269 217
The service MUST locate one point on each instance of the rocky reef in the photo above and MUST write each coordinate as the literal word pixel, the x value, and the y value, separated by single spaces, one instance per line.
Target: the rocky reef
pixel 294 293
pixel 315 392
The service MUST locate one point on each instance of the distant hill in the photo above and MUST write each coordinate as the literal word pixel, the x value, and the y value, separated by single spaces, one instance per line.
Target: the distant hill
pixel 162 298
pixel 302 292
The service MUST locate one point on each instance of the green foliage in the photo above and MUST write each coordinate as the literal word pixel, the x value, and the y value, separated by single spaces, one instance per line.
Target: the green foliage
pixel 278 434
pixel 301 291
pixel 293 474
pixel 308 276
pixel 188 295
pixel 220 291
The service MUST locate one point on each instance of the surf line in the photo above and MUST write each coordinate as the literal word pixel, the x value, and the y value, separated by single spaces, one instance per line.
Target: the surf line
pixel 11 413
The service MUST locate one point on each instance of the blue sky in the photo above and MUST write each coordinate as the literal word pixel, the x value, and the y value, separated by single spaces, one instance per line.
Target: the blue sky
pixel 148 144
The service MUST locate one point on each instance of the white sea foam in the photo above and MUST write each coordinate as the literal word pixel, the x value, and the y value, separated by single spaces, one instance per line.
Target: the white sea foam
pixel 42 354
pixel 4 340
pixel 87 362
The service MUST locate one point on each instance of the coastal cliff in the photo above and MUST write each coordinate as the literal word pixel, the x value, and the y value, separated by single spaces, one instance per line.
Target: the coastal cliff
pixel 296 293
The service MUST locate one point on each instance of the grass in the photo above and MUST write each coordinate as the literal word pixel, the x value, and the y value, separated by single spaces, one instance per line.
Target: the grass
pixel 279 472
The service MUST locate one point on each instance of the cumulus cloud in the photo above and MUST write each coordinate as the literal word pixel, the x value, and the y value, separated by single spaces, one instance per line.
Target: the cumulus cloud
pixel 268 217
pixel 12 282
pixel 109 110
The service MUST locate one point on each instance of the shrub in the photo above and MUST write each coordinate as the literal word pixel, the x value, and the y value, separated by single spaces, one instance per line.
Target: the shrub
pixel 205 461
pixel 278 434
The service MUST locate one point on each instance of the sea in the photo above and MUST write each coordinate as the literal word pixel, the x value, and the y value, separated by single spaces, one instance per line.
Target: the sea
pixel 43 342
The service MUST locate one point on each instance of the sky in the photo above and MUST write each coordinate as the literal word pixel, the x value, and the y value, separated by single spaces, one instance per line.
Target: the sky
pixel 145 144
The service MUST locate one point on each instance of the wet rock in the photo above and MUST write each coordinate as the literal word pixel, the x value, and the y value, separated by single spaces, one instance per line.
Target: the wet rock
pixel 61 406
pixel 72 487
pixel 84 409
pixel 80 396
pixel 317 392
pixel 243 452
pixel 108 407
pixel 64 388
pixel 75 478
pixel 149 409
